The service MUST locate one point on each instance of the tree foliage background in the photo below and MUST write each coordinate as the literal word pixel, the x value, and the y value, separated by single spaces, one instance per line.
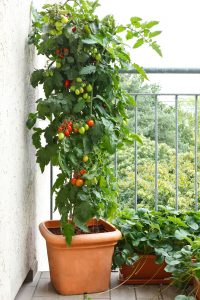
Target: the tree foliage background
pixel 166 150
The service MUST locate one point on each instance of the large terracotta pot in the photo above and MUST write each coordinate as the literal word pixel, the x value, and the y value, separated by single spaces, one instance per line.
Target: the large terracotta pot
pixel 196 284
pixel 85 266
pixel 145 271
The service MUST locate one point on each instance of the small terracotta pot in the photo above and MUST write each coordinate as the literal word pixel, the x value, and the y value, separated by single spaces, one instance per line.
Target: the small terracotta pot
pixel 85 266
pixel 196 284
pixel 145 271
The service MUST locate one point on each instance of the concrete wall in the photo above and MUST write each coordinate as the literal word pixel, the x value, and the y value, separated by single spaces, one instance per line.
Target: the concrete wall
pixel 17 161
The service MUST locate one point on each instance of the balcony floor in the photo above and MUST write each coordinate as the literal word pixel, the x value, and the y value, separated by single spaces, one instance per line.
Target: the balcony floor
pixel 41 289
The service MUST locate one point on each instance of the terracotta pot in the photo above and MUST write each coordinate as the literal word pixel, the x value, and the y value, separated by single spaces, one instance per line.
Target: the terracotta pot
pixel 85 266
pixel 196 284
pixel 145 271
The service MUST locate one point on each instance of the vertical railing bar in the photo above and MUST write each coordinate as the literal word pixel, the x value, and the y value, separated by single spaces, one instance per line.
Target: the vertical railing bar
pixel 51 196
pixel 176 137
pixel 195 153
pixel 116 164
pixel 136 154
pixel 156 152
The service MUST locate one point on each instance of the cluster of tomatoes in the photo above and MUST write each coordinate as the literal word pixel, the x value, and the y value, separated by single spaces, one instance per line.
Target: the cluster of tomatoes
pixel 67 127
pixel 77 180
pixel 93 51
pixel 62 52
pixel 79 88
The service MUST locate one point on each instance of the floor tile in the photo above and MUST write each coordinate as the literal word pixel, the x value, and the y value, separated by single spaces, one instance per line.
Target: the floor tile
pixel 114 280
pixel 103 295
pixel 123 293
pixel 169 292
pixel 35 280
pixel 45 289
pixel 44 298
pixel 73 297
pixel 45 275
pixel 25 293
pixel 148 292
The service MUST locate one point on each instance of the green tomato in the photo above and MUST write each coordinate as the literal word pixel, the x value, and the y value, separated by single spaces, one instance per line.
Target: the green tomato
pixel 58 25
pixel 80 98
pixel 77 92
pixel 81 90
pixel 86 127
pixel 58 65
pixel 85 96
pixel 85 158
pixel 72 88
pixel 95 51
pixel 83 84
pixel 81 130
pixel 64 20
pixel 89 88
pixel 98 57
pixel 78 79
pixel 87 29
pixel 53 32
pixel 61 136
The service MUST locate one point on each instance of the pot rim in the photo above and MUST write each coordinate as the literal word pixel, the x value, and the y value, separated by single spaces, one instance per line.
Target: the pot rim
pixel 82 240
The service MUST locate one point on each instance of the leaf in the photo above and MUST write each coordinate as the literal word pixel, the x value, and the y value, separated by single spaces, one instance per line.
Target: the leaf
pixel 89 41
pixel 156 47
pixel 154 33
pixel 120 28
pixel 57 79
pixel 48 87
pixel 149 24
pixel 79 106
pixel 31 120
pixel 36 137
pixel 129 35
pixel 37 77
pixel 181 234
pixel 84 212
pixel 59 182
pixel 139 43
pixel 87 70
pixel 141 71
pixel 43 158
pixel 135 20
pixel 183 297
pixel 63 164
pixel 68 231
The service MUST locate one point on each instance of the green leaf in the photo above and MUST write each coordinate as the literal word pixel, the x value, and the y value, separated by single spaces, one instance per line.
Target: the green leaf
pixel 59 181
pixel 31 120
pixel 37 77
pixel 36 137
pixel 135 20
pixel 156 47
pixel 154 33
pixel 57 79
pixel 48 86
pixel 87 70
pixel 150 24
pixel 84 212
pixel 89 41
pixel 183 297
pixel 141 71
pixel 129 35
pixel 181 234
pixel 120 28
pixel 139 43
pixel 79 106
pixel 68 231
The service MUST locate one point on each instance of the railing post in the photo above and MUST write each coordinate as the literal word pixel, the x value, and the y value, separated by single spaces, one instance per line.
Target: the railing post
pixel 51 196
pixel 195 154
pixel 156 152
pixel 135 153
pixel 176 142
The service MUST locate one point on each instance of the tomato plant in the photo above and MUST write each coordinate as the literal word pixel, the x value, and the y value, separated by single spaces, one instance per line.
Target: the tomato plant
pixel 84 105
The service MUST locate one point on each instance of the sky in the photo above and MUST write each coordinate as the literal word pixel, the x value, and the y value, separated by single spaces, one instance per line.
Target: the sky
pixel 179 22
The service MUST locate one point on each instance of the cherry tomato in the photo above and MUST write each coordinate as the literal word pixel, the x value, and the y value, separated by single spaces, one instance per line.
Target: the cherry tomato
pixel 61 136
pixel 67 133
pixel 86 127
pixel 74 29
pixel 60 129
pixel 76 130
pixel 57 51
pixel 90 123
pixel 66 51
pixel 69 128
pixel 81 130
pixel 85 158
pixel 79 182
pixel 73 181
pixel 67 83
pixel 89 88
pixel 82 172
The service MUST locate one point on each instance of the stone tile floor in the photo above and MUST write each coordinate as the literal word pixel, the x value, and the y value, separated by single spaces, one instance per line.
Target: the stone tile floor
pixel 41 289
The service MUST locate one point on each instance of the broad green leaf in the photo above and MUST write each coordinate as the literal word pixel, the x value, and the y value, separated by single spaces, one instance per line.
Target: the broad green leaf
pixel 37 77
pixel 150 24
pixel 129 35
pixel 89 41
pixel 31 120
pixel 183 297
pixel 156 47
pixel 68 231
pixel 139 43
pixel 141 71
pixel 120 28
pixel 88 70
pixel 79 106
pixel 135 20
pixel 36 138
pixel 154 33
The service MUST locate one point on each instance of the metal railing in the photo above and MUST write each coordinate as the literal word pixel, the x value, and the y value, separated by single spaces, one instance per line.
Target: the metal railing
pixel 176 100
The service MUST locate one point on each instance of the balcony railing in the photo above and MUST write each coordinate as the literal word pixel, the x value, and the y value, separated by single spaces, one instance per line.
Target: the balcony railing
pixel 175 98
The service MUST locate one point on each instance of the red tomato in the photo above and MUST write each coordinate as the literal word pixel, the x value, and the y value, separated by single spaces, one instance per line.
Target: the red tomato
pixel 73 181
pixel 82 172
pixel 67 133
pixel 76 130
pixel 67 83
pixel 79 182
pixel 74 29
pixel 66 51
pixel 57 51
pixel 60 129
pixel 90 123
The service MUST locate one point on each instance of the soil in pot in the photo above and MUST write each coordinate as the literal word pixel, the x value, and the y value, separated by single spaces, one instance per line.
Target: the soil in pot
pixel 145 271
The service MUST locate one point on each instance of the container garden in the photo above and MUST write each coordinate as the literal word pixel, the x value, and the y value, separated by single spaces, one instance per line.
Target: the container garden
pixel 85 266
pixel 144 271
pixel 85 122
pixel 196 285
